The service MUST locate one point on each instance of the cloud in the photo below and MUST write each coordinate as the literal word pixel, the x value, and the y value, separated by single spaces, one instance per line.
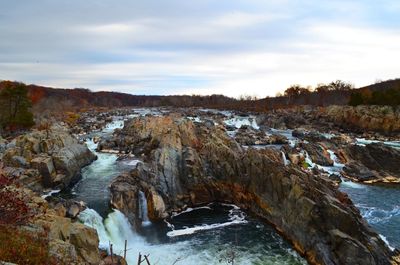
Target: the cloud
pixel 176 47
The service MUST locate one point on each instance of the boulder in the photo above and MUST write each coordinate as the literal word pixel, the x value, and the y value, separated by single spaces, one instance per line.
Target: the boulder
pixel 86 243
pixel 317 154
pixel 55 153
pixel 359 172
pixel 44 164
pixel 277 139
pixel 73 211
pixel 373 162
pixel 69 160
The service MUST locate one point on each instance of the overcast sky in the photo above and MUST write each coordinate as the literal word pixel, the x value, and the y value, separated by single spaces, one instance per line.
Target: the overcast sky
pixel 253 47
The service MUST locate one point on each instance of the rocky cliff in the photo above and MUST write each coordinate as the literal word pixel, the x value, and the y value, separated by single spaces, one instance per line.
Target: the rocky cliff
pixel 187 164
pixel 46 159
pixel 360 119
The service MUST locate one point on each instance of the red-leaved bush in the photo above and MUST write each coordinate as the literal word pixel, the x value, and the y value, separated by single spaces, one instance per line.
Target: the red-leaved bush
pixel 14 209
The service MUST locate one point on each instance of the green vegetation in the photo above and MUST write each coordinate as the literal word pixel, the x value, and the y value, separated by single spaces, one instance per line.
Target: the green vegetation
pixel 15 106
pixel 389 97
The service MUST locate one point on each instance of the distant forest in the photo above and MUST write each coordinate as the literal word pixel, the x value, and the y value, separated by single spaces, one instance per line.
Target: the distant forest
pixel 47 99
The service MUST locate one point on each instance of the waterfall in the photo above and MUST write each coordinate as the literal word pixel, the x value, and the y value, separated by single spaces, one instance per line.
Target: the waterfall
pixel 92 219
pixel 143 209
pixel 115 230
pixel 308 160
pixel 285 161
pixel 336 162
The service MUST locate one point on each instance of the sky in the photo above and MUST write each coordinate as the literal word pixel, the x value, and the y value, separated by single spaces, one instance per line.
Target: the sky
pixel 230 47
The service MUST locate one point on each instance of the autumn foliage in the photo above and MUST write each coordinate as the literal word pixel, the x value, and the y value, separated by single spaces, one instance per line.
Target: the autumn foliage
pixel 22 247
pixel 14 209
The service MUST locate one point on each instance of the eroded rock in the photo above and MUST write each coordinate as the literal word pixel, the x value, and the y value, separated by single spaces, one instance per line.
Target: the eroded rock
pixel 321 222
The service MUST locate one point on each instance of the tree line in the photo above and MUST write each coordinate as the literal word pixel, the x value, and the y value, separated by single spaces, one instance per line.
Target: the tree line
pixel 389 96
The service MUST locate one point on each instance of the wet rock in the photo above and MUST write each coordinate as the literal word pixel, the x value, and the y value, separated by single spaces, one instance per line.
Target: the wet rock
pixel 373 162
pixel 359 172
pixel 321 222
pixel 86 243
pixel 277 139
pixel 298 133
pixel 73 211
pixel 317 154
pixel 335 178
pixel 156 206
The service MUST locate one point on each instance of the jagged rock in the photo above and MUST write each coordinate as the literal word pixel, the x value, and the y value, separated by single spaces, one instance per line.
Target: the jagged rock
pixel 86 243
pixel 124 195
pixel 296 159
pixel 277 139
pixel 373 162
pixel 79 242
pixel 335 178
pixel 321 222
pixel 63 251
pixel 358 172
pixel 55 153
pixel 318 154
pixel 46 168
pixel 60 210
pixel 73 211
pixel 156 206
pixel 69 160
pixel 299 133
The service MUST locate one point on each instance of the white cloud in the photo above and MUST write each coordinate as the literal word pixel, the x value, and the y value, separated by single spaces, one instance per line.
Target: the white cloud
pixel 229 47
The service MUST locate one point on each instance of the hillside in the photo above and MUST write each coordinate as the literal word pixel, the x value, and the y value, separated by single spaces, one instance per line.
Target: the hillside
pixel 47 99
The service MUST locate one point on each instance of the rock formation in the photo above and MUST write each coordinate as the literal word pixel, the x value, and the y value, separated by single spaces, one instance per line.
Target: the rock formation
pixel 375 162
pixel 50 159
pixel 187 164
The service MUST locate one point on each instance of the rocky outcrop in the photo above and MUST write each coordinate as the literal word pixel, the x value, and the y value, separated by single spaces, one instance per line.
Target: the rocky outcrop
pixel 373 118
pixel 361 119
pixel 375 162
pixel 54 154
pixel 65 241
pixel 318 154
pixel 188 165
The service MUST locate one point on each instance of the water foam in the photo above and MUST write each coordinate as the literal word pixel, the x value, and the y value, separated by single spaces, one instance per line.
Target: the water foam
pixel 235 217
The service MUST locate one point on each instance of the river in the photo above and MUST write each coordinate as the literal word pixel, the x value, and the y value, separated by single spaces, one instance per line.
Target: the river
pixel 214 234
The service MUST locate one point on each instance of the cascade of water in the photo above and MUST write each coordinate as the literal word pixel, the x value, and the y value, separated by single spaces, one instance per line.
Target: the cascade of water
pixel 92 219
pixel 143 209
pixel 308 160
pixel 285 161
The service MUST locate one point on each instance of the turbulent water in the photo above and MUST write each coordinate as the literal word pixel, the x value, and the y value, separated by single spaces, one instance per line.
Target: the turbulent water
pixel 380 206
pixel 213 234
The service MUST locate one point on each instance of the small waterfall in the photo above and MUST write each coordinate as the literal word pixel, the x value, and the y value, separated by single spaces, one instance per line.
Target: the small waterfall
pixel 92 219
pixel 285 161
pixel 308 160
pixel 143 209
pixel 336 162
